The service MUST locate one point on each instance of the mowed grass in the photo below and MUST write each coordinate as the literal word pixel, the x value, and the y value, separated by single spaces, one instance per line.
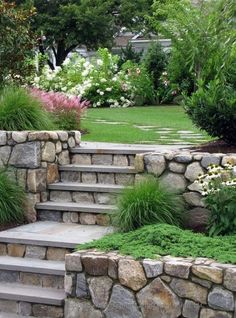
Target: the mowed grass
pixel 149 124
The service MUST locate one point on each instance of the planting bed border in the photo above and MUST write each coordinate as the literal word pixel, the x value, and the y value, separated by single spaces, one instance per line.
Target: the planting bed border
pixel 113 286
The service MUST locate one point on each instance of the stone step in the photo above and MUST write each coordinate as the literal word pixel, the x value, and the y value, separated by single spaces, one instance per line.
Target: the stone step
pixel 33 272
pixel 76 207
pixel 115 149
pixel 86 187
pixel 9 315
pixel 103 194
pixel 95 174
pixel 54 239
pixel 31 294
pixel 98 168
pixel 79 213
pixel 31 265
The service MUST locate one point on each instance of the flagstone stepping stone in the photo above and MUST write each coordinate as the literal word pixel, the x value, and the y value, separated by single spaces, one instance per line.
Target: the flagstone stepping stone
pixel 185 132
pixel 144 127
pixel 163 132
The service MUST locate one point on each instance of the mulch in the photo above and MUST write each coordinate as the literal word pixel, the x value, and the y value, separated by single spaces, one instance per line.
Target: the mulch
pixel 217 146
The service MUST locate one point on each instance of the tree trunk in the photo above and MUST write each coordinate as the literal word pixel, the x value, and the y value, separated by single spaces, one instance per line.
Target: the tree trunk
pixel 62 52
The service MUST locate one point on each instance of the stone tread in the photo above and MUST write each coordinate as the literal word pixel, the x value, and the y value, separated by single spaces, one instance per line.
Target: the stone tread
pixel 31 265
pixel 87 187
pixel 76 207
pixel 112 151
pixel 54 234
pixel 32 294
pixel 8 315
pixel 98 168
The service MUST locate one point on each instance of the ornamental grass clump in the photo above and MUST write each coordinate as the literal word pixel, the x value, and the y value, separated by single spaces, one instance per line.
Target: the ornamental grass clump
pixel 218 186
pixel 148 202
pixel 19 111
pixel 12 199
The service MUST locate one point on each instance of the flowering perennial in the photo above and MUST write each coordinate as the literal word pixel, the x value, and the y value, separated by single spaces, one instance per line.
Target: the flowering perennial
pixel 60 104
pixel 216 178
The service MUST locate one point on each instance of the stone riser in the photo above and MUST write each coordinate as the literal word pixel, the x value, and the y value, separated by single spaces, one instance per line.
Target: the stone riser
pixel 30 309
pixel 97 177
pixel 86 197
pixel 74 217
pixel 36 252
pixel 103 159
pixel 32 279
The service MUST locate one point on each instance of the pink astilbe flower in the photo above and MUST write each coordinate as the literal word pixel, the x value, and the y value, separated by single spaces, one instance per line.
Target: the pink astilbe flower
pixel 60 103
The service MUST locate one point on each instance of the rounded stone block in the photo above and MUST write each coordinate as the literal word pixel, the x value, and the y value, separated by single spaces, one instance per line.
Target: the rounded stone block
pixel 49 152
pixel 122 304
pixel 212 274
pixel 187 289
pixel 174 181
pixel 194 199
pixel 99 288
pixel 193 171
pixel 222 299
pixel 27 155
pixel 131 274
pixel 155 164
pixel 157 300
pixel 210 160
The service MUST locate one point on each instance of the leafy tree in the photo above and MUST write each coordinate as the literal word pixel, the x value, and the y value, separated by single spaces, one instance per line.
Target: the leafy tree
pixel 203 34
pixel 155 62
pixel 69 23
pixel 16 42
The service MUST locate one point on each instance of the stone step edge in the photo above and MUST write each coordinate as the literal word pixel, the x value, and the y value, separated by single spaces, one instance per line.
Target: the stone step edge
pixel 31 265
pixel 98 169
pixel 110 151
pixel 9 315
pixel 32 294
pixel 76 207
pixel 87 187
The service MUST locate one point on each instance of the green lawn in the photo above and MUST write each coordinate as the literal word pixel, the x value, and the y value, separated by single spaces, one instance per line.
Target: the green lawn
pixel 150 124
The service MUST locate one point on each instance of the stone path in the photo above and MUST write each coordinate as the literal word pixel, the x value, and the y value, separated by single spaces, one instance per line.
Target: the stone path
pixel 77 211
pixel 173 136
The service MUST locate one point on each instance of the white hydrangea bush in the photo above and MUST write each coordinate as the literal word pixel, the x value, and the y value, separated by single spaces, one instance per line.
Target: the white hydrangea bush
pixel 98 80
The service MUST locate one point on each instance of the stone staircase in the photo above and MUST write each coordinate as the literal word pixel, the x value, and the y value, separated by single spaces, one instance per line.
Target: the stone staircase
pixel 75 211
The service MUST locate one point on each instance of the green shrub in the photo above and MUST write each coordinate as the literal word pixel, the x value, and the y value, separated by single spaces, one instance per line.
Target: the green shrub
pixel 222 206
pixel 67 120
pixel 213 109
pixel 148 203
pixel 162 239
pixel 155 62
pixel 21 111
pixel 12 198
pixel 129 54
pixel 141 83
pixel 179 74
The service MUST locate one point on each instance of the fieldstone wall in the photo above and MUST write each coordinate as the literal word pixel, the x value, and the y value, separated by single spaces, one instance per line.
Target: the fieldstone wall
pixel 108 285
pixel 33 158
pixel 179 170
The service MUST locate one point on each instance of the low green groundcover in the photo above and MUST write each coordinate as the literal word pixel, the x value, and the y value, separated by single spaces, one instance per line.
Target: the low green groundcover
pixel 163 239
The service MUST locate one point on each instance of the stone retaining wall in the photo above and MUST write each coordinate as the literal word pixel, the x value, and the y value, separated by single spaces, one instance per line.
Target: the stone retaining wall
pixel 33 159
pixel 107 285
pixel 179 170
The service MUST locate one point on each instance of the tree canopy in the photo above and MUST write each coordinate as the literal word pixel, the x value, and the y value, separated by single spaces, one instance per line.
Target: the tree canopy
pixel 93 23
pixel 16 42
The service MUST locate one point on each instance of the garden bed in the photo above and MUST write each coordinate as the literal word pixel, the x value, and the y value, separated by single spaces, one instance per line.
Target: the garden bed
pixel 120 286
